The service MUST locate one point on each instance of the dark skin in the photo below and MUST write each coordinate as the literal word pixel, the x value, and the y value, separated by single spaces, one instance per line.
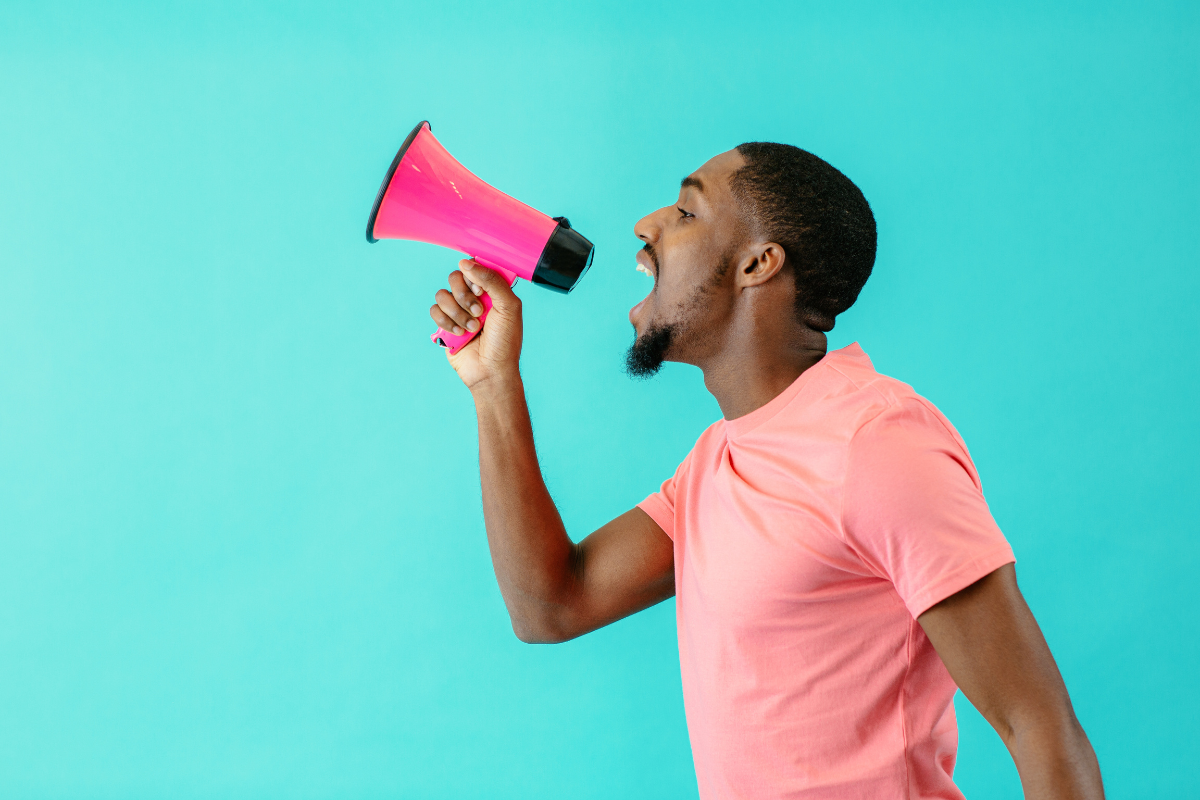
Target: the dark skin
pixel 738 327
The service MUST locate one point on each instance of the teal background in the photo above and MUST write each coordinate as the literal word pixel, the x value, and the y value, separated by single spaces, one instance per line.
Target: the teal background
pixel 241 550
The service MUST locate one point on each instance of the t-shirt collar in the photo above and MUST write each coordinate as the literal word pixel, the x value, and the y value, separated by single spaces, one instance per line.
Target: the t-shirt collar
pixel 744 424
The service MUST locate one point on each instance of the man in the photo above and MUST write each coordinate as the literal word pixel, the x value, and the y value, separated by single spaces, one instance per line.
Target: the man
pixel 836 570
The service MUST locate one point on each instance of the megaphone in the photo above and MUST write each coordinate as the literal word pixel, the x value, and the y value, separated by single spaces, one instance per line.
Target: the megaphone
pixel 428 196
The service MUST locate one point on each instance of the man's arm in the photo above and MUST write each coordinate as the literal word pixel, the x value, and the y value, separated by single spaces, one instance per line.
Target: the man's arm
pixel 992 646
pixel 554 589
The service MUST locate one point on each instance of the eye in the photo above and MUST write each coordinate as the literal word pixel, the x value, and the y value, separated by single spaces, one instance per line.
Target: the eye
pixel 684 214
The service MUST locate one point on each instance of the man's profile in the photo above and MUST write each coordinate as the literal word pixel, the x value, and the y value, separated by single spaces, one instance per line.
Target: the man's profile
pixel 836 569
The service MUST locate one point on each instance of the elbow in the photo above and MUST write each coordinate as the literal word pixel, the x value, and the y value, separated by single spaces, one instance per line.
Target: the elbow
pixel 540 630
pixel 1046 722
pixel 547 613
pixel 530 635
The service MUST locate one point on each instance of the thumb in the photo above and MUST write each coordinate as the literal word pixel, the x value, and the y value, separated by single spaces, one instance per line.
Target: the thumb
pixel 496 284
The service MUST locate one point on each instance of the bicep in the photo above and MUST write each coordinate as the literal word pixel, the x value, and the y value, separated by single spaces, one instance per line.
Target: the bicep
pixel 620 569
pixel 994 650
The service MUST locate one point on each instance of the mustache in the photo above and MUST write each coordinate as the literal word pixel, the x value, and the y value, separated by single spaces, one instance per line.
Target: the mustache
pixel 648 249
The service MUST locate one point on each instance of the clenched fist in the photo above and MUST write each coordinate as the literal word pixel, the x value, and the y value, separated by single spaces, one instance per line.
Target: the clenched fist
pixel 496 351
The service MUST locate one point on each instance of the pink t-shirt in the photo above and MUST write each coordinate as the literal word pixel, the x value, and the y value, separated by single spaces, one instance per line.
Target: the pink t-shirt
pixel 809 535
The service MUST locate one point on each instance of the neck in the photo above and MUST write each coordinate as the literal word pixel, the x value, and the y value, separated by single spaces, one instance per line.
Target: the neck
pixel 755 366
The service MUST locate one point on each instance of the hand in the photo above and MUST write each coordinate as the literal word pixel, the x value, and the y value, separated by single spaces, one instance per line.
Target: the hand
pixel 495 352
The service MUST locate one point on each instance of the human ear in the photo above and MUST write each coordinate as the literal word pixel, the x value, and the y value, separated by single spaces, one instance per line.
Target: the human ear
pixel 763 262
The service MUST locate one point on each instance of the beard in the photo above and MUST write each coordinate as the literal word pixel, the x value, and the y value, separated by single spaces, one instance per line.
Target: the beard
pixel 646 355
pixel 648 352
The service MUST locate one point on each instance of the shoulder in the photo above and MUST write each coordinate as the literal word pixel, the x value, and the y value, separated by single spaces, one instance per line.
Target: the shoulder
pixel 910 447
pixel 847 401
pixel 881 406
pixel 907 423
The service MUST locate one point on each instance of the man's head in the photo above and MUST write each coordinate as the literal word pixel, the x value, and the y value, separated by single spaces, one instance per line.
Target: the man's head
pixel 765 235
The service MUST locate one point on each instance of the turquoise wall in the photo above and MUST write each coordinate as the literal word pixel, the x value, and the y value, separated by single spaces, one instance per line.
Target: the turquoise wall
pixel 228 566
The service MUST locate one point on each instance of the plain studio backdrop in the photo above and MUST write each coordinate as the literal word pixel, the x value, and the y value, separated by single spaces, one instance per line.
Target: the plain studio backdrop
pixel 241 547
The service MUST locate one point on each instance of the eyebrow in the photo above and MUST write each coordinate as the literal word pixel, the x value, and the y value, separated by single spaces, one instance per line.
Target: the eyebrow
pixel 693 181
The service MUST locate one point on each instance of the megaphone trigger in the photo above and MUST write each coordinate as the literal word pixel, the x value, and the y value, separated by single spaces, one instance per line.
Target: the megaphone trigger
pixel 428 196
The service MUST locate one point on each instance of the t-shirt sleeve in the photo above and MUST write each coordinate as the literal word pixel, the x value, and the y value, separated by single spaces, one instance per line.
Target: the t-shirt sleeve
pixel 661 505
pixel 913 507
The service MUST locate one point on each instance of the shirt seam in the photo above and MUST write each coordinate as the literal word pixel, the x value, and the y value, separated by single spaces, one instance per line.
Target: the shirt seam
pixel 841 526
pixel 836 369
pixel 891 402
pixel 908 658
pixel 955 436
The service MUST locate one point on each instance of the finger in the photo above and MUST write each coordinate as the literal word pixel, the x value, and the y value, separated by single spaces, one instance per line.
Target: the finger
pixel 463 294
pixel 454 311
pixel 442 321
pixel 475 288
pixel 504 300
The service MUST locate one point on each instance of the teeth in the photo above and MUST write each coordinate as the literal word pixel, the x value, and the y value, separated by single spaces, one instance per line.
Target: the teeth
pixel 640 268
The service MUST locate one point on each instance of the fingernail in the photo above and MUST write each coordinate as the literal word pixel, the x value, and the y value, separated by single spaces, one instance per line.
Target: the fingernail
pixel 458 331
pixel 476 309
pixel 473 325
pixel 477 289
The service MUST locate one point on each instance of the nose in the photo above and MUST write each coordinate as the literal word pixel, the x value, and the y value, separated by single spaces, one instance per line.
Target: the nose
pixel 647 228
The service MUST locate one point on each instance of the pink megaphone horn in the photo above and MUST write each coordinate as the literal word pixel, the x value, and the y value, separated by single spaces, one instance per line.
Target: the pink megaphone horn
pixel 427 196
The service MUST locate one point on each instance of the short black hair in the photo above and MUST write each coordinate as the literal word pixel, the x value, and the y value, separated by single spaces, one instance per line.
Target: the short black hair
pixel 818 216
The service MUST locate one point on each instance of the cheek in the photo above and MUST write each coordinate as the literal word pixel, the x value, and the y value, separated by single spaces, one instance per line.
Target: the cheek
pixel 685 266
pixel 675 301
pixel 683 270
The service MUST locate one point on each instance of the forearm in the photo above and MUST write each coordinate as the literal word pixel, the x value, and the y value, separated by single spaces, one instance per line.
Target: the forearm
pixel 1055 760
pixel 991 644
pixel 531 551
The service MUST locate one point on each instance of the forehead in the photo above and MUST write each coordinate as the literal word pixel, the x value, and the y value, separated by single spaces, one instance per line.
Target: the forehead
pixel 715 173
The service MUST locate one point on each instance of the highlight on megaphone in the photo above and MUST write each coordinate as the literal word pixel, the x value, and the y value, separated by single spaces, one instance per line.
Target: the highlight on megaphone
pixel 427 196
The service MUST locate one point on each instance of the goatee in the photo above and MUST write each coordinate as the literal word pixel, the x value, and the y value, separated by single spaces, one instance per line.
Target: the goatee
pixel 646 355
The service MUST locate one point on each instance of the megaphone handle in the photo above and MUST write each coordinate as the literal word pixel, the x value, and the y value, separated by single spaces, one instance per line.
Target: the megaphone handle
pixel 457 341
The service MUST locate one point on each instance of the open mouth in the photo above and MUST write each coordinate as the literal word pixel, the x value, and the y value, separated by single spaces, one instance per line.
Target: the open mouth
pixel 645 269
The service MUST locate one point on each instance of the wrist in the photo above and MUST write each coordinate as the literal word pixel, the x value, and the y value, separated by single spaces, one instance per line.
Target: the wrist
pixel 497 388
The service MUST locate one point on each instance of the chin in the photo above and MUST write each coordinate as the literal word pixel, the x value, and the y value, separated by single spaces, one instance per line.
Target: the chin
pixel 649 350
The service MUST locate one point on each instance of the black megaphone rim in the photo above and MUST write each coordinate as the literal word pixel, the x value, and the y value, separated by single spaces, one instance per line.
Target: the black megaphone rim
pixel 387 179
